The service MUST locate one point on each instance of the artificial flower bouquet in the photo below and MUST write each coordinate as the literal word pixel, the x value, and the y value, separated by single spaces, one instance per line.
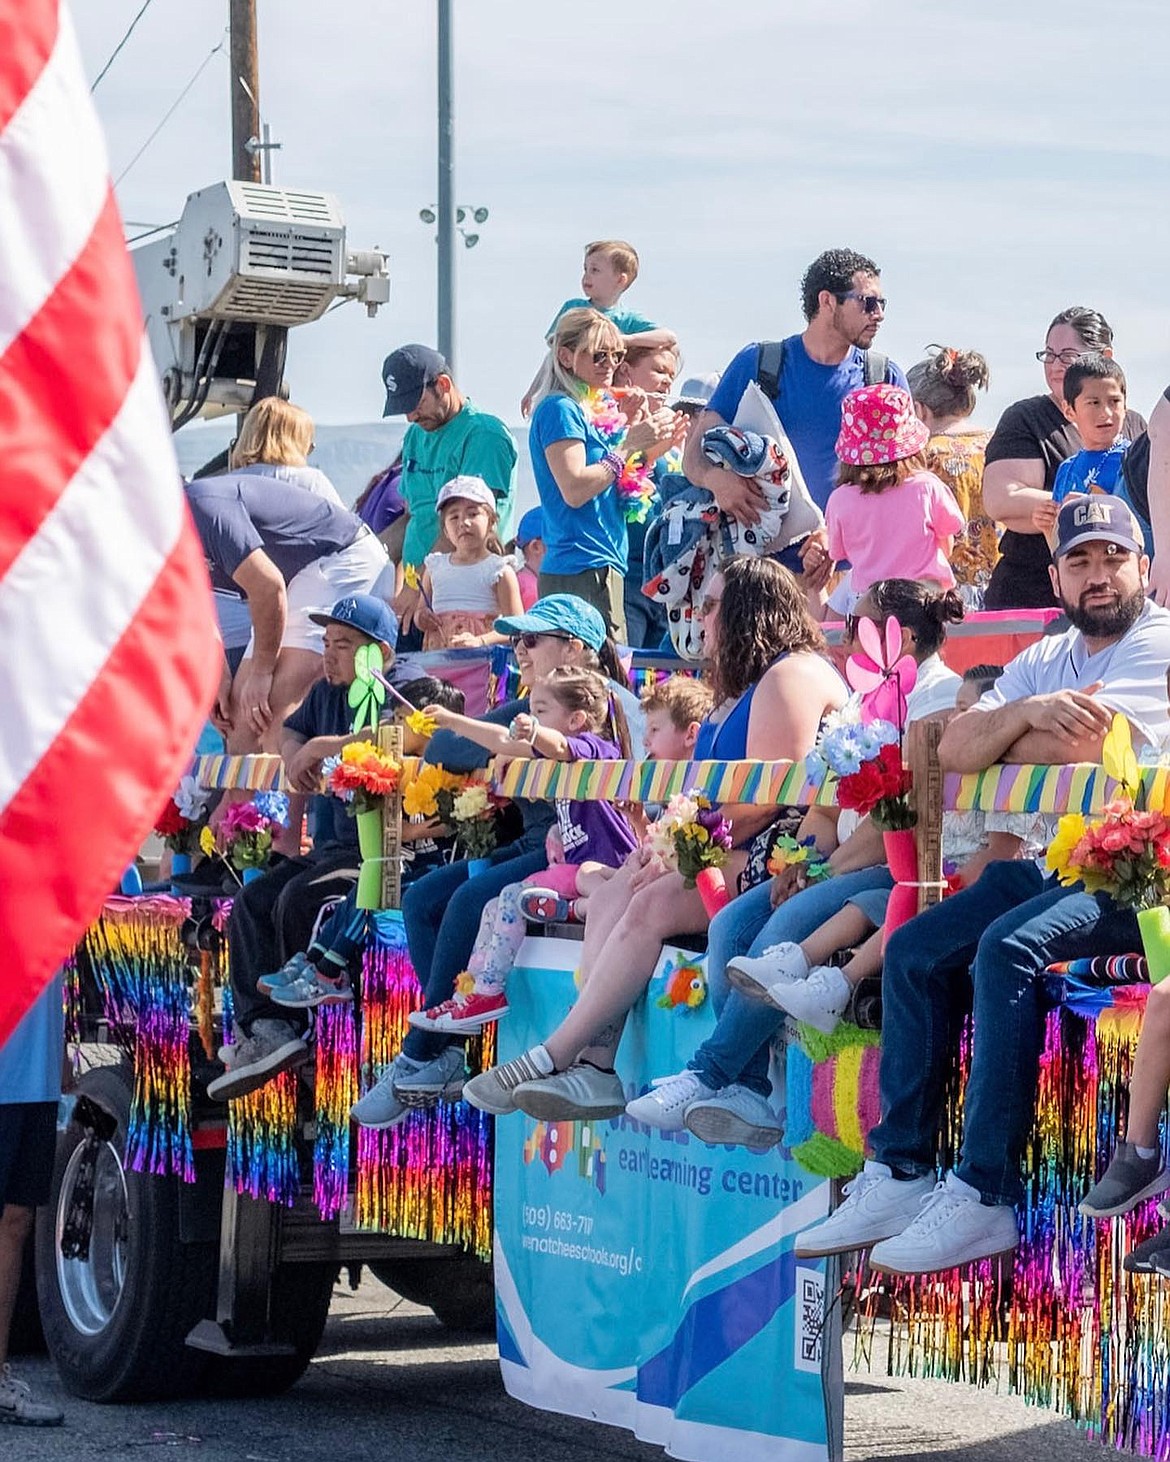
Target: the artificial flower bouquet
pixel 180 821
pixel 1126 854
pixel 431 791
pixel 361 776
pixel 694 839
pixel 244 837
pixel 472 818
pixel 866 758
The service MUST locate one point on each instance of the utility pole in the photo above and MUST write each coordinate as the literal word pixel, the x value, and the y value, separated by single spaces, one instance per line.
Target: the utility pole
pixel 245 95
pixel 446 205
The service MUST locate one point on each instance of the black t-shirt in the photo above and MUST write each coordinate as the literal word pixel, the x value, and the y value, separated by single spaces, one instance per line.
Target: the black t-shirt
pixel 1031 429
pixel 325 712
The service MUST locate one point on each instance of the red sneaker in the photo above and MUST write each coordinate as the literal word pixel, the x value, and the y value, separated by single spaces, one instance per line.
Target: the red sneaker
pixel 461 1014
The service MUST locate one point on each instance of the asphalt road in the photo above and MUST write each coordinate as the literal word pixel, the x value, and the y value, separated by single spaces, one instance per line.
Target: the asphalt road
pixel 390 1384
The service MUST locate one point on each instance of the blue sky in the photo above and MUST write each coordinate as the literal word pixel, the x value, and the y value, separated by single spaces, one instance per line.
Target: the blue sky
pixel 1000 162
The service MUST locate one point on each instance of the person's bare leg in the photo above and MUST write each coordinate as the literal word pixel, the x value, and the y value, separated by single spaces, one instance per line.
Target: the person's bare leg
pixel 607 904
pixel 1151 1070
pixel 844 930
pixel 15 1227
pixel 593 1027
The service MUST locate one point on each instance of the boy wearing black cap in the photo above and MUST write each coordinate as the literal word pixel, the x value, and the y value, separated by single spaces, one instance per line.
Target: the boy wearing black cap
pixel 448 437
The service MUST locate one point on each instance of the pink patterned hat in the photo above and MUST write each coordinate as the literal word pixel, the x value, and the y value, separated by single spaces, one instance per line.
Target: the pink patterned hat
pixel 878 425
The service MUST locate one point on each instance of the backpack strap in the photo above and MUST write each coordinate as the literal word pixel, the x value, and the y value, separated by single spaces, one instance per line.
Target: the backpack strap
pixel 876 367
pixel 769 365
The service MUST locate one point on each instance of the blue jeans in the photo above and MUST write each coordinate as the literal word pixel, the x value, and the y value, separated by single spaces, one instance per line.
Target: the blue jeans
pixel 737 1050
pixel 441 914
pixel 1005 929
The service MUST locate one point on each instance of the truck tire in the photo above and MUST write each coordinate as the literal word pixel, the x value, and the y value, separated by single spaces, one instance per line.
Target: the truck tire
pixel 301 1294
pixel 115 1323
pixel 459 1290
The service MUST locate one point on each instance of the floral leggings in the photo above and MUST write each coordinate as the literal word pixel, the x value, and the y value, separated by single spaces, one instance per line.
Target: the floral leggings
pixel 501 928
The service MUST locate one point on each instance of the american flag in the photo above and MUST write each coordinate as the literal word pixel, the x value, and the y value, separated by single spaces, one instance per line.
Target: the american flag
pixel 109 657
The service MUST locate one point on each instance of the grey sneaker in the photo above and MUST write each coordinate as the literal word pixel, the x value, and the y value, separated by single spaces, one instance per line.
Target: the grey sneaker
pixel 380 1107
pixel 1125 1182
pixel 753 975
pixel 272 1047
pixel 314 988
pixel 1144 1258
pixel 664 1105
pixel 18 1407
pixel 438 1080
pixel 292 969
pixel 581 1094
pixel 494 1090
pixel 734 1115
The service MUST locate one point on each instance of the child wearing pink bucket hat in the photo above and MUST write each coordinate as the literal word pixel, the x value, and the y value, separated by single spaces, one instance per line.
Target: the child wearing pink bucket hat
pixel 910 532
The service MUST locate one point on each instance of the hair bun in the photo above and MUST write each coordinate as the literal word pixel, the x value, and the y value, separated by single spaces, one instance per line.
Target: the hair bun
pixel 962 370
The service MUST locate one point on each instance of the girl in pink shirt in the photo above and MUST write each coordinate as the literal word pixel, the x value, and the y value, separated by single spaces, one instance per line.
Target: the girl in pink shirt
pixel 888 516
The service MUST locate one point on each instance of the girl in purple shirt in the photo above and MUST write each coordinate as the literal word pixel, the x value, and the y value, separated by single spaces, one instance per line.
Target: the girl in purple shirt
pixel 571 717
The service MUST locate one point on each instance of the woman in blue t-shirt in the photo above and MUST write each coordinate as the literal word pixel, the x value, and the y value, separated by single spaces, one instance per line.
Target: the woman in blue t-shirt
pixel 581 442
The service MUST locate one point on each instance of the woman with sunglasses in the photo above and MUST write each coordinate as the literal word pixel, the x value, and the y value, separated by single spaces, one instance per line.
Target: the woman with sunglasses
pixel 1031 441
pixel 773 686
pixel 441 911
pixel 582 439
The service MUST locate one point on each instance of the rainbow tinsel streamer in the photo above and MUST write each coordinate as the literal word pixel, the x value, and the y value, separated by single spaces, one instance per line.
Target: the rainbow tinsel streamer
pixel 141 972
pixel 261 1152
pixel 337 1090
pixel 1062 1324
pixel 430 1176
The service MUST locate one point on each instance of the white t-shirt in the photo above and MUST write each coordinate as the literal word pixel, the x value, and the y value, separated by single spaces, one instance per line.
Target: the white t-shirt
pixel 1132 671
pixel 464 588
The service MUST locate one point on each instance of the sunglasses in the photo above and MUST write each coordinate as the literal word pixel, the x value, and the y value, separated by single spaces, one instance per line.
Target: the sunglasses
pixel 1065 357
pixel 530 640
pixel 870 303
pixel 601 356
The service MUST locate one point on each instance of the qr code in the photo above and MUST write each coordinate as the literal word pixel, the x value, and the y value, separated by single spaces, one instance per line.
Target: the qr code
pixel 810 1318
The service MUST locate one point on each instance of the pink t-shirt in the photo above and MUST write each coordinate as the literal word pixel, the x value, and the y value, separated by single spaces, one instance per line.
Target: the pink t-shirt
pixel 529 588
pixel 896 534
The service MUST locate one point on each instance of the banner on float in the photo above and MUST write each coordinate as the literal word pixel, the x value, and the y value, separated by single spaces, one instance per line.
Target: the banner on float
pixel 647 1279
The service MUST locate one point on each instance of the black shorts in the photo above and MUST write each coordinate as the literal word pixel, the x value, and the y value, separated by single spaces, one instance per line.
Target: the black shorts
pixel 28 1145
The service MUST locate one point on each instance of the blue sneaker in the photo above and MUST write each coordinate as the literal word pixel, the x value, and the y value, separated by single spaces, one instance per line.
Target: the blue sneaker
pixel 291 971
pixel 313 989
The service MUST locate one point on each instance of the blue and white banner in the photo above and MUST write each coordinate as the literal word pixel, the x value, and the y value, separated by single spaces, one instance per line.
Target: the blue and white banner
pixel 647 1279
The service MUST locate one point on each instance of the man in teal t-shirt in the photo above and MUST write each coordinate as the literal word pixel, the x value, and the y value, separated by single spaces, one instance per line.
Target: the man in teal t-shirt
pixel 447 437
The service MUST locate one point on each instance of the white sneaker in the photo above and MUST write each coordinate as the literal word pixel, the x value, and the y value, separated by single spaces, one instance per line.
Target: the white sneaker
pixel 877 1205
pixel 754 975
pixel 17 1404
pixel 663 1107
pixel 952 1227
pixel 820 1001
pixel 583 1093
pixel 735 1115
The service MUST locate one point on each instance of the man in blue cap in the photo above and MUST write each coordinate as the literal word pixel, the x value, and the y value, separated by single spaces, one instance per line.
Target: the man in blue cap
pixel 447 437
pixel 273 916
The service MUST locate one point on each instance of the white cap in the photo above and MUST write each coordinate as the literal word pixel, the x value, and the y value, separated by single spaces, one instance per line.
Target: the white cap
pixel 466 489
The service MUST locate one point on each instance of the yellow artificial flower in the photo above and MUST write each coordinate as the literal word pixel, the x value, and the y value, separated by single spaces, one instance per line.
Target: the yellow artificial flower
pixel 410 576
pixel 419 799
pixel 422 724
pixel 471 803
pixel 207 841
pixel 1069 831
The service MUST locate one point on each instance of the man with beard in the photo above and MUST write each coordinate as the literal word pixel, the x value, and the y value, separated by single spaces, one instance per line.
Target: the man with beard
pixel 1054 703
pixel 844 306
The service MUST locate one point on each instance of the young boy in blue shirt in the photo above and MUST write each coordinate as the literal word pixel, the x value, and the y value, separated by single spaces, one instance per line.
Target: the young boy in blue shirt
pixel 1094 401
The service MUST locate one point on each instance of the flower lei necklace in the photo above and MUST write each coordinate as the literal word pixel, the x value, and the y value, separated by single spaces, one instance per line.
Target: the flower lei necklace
pixel 635 486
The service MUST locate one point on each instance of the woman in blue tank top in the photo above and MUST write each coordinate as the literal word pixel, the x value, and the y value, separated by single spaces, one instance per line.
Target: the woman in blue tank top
pixel 773 685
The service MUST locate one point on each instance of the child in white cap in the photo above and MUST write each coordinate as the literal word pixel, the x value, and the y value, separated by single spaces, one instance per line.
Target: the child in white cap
pixel 465 590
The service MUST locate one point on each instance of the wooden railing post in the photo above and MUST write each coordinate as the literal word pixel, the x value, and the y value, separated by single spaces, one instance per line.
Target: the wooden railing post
pixel 922 738
pixel 390 741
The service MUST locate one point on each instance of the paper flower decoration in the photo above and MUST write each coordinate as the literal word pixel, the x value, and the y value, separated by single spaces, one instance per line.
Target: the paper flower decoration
pixel 1118 758
pixel 367 691
pixel 881 674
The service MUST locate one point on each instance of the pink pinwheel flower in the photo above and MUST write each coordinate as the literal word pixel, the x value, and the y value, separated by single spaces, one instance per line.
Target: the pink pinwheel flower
pixel 883 676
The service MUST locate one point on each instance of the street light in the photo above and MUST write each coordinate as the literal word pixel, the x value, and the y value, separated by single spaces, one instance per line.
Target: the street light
pixel 462 214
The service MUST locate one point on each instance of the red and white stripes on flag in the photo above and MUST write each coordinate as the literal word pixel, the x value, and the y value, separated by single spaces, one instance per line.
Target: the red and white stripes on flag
pixel 108 653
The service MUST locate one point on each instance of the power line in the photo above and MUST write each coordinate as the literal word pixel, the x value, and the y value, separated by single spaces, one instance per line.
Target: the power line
pixel 121 43
pixel 173 106
pixel 157 229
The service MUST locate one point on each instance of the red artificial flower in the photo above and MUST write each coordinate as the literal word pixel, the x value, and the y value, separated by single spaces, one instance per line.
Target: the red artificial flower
pixel 878 779
pixel 170 822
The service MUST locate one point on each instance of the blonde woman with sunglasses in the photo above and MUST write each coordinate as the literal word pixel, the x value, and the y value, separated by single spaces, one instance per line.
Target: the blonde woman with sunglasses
pixel 582 439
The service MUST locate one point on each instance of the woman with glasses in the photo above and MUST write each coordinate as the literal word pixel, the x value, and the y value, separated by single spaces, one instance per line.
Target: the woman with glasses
pixel 1031 441
pixel 773 686
pixel 582 440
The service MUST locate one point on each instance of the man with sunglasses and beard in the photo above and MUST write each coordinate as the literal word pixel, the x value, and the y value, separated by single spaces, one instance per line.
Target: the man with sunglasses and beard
pixel 844 306
pixel 1053 704
pixel 447 436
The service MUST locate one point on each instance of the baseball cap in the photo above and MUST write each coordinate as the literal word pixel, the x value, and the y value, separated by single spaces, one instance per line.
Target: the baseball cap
pixel 558 614
pixel 365 612
pixel 1097 519
pixel 406 372
pixel 466 489
pixel 531 526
